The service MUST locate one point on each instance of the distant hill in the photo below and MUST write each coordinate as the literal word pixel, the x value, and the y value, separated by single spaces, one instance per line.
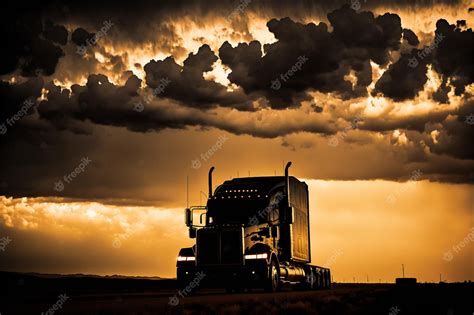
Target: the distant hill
pixel 80 275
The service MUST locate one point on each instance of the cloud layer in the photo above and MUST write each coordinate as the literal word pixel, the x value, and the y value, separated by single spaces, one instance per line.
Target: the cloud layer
pixel 302 79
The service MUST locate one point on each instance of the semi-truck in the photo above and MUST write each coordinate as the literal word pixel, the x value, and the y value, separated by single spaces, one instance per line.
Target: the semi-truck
pixel 254 232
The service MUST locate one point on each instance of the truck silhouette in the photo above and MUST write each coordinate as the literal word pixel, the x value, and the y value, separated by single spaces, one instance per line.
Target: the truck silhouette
pixel 253 233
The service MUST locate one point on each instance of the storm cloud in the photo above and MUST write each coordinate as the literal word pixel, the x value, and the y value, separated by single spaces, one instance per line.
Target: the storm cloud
pixel 152 74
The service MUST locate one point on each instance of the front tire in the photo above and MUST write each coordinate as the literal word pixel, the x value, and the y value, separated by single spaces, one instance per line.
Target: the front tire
pixel 273 279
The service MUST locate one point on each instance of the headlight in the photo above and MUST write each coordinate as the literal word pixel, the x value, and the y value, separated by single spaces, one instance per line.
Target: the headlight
pixel 185 258
pixel 257 256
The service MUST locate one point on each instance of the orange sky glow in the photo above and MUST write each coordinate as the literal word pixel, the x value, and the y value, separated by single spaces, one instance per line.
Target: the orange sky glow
pixel 355 231
pixel 357 151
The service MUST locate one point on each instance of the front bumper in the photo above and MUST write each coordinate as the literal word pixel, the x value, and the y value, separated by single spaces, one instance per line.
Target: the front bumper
pixel 252 274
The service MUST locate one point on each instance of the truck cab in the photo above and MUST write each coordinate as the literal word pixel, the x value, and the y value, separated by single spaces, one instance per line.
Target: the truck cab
pixel 253 232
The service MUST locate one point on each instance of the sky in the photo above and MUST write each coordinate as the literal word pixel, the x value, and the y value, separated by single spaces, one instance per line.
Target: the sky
pixel 106 109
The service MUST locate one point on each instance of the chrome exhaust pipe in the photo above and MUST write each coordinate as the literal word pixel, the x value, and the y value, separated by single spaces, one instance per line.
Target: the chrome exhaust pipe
pixel 287 179
pixel 210 181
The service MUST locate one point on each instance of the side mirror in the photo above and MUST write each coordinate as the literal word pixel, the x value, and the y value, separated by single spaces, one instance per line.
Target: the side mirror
pixel 188 217
pixel 200 218
pixel 192 232
pixel 274 231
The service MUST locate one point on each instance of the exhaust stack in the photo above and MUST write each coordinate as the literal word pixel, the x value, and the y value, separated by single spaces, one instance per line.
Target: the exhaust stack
pixel 210 181
pixel 287 180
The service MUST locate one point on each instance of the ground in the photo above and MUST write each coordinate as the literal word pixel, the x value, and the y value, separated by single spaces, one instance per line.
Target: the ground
pixel 30 294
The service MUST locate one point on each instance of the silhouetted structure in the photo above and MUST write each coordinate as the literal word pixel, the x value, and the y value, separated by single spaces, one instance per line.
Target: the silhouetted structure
pixel 405 281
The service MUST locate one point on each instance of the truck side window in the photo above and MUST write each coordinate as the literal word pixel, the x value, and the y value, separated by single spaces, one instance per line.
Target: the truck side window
pixel 274 207
pixel 274 214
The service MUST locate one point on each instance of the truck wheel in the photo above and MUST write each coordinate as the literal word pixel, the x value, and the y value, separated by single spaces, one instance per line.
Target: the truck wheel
pixel 273 280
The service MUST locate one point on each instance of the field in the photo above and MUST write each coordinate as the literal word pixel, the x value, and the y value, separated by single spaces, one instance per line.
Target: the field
pixel 79 294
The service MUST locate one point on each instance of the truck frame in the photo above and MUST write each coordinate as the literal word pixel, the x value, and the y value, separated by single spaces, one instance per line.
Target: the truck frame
pixel 256 234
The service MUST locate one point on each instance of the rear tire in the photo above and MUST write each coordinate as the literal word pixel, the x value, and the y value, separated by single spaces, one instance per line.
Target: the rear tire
pixel 273 279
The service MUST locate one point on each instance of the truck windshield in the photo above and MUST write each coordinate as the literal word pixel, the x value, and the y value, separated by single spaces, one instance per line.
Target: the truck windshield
pixel 250 213
pixel 220 218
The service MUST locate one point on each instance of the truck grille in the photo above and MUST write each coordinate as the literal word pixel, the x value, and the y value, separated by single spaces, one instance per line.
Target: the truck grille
pixel 216 247
pixel 208 244
pixel 231 252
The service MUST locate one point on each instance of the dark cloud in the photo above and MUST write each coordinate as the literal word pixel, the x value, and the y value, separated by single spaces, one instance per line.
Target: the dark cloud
pixel 186 83
pixel 410 37
pixel 413 122
pixel 61 109
pixel 441 94
pixel 453 56
pixel 405 78
pixel 317 109
pixel 55 33
pixel 14 96
pixel 64 126
pixel 102 102
pixel 30 43
pixel 456 134
pixel 375 36
pixel 80 36
pixel 99 101
pixel 296 63
pixel 43 59
pixel 450 52
pixel 328 56
pixel 145 10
